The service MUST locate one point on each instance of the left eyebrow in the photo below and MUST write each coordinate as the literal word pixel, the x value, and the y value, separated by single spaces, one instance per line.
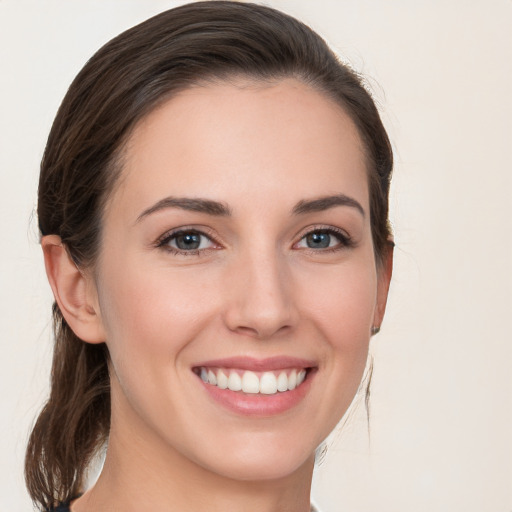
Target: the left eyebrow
pixel 324 203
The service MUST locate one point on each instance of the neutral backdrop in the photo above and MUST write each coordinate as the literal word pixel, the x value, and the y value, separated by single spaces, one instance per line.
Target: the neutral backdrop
pixel 441 72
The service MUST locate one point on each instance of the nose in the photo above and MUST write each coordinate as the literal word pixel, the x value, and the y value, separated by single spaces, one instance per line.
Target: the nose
pixel 260 301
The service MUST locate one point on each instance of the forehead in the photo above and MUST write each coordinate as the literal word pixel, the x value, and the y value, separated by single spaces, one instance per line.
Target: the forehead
pixel 244 139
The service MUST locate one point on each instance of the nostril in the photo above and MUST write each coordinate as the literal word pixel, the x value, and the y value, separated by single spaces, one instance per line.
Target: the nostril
pixel 261 333
pixel 247 331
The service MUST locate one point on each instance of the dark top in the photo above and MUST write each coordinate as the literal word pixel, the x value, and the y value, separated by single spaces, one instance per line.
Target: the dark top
pixel 65 508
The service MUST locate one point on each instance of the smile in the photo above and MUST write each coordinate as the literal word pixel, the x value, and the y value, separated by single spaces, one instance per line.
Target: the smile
pixel 265 383
pixel 257 387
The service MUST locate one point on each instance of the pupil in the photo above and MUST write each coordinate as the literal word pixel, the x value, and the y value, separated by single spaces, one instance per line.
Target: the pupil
pixel 318 240
pixel 188 241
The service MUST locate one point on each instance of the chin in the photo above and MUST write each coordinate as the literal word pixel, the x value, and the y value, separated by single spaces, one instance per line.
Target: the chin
pixel 262 470
pixel 261 460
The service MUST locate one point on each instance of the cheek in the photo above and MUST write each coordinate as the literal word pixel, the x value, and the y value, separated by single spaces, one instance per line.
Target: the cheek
pixel 343 303
pixel 149 314
pixel 339 306
pixel 342 311
pixel 150 317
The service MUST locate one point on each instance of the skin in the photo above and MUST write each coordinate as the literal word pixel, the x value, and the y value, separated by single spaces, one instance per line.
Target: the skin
pixel 254 289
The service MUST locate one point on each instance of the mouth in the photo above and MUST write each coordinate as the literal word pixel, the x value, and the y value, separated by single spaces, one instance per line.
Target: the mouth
pixel 257 387
pixel 253 382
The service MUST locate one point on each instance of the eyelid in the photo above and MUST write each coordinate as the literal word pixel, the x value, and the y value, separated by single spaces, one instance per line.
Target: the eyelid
pixel 345 239
pixel 162 241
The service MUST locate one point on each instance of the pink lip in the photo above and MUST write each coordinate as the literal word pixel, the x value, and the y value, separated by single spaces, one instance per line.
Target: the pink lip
pixel 258 405
pixel 258 365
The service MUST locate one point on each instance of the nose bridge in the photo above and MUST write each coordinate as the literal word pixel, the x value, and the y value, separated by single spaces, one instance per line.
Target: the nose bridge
pixel 263 302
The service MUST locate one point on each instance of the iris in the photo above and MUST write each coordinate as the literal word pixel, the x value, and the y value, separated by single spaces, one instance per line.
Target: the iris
pixel 318 240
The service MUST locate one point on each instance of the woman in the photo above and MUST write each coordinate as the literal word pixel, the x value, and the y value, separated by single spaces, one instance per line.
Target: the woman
pixel 213 210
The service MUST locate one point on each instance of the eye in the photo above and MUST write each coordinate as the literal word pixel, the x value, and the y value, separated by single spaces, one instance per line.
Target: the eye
pixel 324 239
pixel 186 241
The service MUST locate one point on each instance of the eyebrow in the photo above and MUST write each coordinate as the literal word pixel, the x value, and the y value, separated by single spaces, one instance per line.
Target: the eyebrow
pixel 217 208
pixel 326 202
pixel 191 204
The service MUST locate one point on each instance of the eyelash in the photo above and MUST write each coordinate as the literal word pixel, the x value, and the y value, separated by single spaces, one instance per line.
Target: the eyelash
pixel 345 241
pixel 164 241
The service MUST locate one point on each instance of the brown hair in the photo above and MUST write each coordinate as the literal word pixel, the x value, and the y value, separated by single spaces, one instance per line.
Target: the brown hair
pixel 125 80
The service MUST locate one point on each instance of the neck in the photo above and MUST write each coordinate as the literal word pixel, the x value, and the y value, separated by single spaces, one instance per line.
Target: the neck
pixel 144 473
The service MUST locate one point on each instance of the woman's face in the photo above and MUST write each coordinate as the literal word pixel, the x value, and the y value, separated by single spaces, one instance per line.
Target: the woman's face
pixel 237 249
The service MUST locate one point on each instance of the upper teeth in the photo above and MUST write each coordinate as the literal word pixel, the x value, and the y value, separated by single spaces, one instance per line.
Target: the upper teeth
pixel 267 383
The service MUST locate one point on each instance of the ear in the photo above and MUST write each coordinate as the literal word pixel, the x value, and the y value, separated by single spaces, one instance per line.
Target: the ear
pixel 384 272
pixel 74 291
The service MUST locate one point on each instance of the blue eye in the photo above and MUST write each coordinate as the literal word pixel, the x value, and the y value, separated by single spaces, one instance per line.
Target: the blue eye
pixel 318 240
pixel 324 239
pixel 186 241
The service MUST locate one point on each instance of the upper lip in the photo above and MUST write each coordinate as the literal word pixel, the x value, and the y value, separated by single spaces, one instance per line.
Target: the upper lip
pixel 256 364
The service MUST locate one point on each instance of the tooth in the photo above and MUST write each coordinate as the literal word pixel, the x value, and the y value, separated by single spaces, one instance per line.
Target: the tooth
pixel 292 380
pixel 250 383
pixel 282 382
pixel 234 382
pixel 268 383
pixel 222 380
pixel 211 378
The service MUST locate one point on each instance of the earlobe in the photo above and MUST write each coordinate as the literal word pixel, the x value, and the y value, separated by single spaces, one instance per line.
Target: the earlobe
pixel 383 280
pixel 74 291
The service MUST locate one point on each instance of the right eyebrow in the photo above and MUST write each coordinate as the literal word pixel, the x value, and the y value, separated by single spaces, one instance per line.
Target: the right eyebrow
pixel 191 204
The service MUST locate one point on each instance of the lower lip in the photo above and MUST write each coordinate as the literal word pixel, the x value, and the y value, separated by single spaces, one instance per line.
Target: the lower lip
pixel 258 404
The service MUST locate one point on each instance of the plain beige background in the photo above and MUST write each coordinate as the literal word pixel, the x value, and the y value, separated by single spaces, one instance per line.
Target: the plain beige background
pixel 441 71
